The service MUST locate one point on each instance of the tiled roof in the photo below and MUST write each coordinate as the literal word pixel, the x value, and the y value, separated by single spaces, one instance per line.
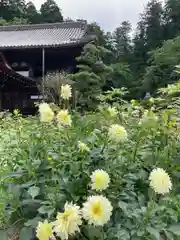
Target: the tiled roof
pixel 43 35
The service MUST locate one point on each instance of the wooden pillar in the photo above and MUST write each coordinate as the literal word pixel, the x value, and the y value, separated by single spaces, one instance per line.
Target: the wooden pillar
pixel 43 72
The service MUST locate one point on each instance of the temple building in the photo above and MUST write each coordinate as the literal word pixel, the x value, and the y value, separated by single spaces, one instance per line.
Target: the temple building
pixel 28 52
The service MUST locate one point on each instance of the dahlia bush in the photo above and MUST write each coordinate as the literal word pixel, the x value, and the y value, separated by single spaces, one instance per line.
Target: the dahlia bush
pixel 112 174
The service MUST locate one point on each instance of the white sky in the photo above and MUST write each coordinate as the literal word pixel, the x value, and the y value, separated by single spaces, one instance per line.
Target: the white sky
pixel 108 13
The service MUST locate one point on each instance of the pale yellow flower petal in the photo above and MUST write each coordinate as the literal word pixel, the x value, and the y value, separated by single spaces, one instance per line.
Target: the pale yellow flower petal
pixel 112 111
pixel 64 118
pixel 66 91
pixel 44 231
pixel 117 133
pixel 97 210
pixel 46 113
pixel 100 180
pixel 82 147
pixel 68 222
pixel 160 181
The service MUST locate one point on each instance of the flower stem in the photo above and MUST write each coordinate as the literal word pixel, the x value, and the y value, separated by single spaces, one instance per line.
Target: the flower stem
pixel 148 211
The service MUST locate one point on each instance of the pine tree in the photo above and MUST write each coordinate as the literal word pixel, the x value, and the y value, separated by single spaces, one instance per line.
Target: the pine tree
pixel 161 69
pixel 148 36
pixel 172 19
pixel 154 24
pixel 140 55
pixel 95 29
pixel 92 75
pixel 50 12
pixel 122 41
pixel 31 13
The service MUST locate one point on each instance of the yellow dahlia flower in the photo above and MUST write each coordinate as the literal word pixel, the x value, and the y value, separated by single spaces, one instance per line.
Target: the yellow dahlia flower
pixel 112 111
pixel 100 180
pixel 83 147
pixel 160 181
pixel 46 113
pixel 68 222
pixel 64 118
pixel 66 91
pixel 97 210
pixel 133 102
pixel 16 112
pixel 151 100
pixel 44 231
pixel 117 133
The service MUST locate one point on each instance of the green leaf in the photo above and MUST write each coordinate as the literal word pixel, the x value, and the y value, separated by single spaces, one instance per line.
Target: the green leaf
pixel 124 207
pixel 30 202
pixel 122 234
pixel 13 174
pixel 92 232
pixel 153 232
pixel 26 233
pixel 3 235
pixel 34 191
pixel 175 229
pixel 169 235
pixel 46 210
pixel 33 222
pixel 15 190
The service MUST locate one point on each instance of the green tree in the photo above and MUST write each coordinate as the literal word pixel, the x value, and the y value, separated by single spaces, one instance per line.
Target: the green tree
pixel 148 36
pixel 10 9
pixel 50 12
pixel 122 41
pixel 17 8
pixel 103 39
pixel 4 9
pixel 31 13
pixel 92 75
pixel 140 55
pixel 121 76
pixel 94 29
pixel 154 25
pixel 160 71
pixel 172 19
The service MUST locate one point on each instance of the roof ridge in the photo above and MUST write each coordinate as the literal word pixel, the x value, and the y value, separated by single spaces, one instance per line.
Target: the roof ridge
pixel 66 24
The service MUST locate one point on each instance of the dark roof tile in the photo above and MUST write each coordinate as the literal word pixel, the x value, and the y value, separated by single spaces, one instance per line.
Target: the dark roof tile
pixel 42 35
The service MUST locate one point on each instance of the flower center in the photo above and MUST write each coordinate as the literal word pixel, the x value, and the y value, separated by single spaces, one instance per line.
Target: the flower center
pixel 64 117
pixel 97 210
pixel 66 215
pixel 99 179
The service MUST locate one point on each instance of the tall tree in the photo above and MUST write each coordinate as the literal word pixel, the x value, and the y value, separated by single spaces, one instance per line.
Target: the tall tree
pixel 10 9
pixel 153 22
pixel 17 8
pixel 122 41
pixel 148 36
pixel 92 75
pixel 94 28
pixel 104 40
pixel 172 19
pixel 31 13
pixel 4 9
pixel 140 55
pixel 50 12
pixel 121 76
pixel 160 71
